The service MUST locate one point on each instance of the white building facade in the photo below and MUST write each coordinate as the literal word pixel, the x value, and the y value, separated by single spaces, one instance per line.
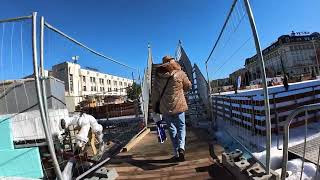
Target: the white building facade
pixel 292 54
pixel 81 82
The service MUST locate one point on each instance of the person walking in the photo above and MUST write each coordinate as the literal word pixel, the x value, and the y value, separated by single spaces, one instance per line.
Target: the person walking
pixel 285 82
pixel 169 100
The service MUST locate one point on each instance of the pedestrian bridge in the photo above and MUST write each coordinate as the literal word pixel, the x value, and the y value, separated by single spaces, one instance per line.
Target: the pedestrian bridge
pixel 229 135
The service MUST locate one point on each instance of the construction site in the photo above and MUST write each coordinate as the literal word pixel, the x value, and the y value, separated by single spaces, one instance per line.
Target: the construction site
pixel 237 127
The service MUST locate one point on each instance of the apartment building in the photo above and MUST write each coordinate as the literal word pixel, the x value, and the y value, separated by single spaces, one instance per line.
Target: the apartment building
pixel 81 82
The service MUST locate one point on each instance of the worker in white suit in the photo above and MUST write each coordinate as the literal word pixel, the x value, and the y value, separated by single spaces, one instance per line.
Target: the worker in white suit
pixel 85 122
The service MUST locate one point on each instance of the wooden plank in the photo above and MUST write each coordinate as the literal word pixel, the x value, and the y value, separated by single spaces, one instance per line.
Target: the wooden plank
pixel 135 140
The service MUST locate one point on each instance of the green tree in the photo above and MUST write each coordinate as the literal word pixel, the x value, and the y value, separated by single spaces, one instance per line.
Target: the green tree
pixel 134 91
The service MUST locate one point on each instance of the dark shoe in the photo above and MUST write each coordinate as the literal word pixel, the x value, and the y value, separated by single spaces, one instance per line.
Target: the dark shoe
pixel 181 155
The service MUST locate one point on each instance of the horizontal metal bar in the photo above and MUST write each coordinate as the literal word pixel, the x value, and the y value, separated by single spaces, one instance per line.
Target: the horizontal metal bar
pixel 92 169
pixel 301 109
pixel 15 19
pixel 86 47
pixel 30 145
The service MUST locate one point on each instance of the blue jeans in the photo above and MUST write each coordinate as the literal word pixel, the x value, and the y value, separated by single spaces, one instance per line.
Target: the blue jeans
pixel 177 130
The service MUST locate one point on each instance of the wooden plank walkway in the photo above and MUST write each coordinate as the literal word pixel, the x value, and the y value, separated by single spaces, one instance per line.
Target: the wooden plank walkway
pixel 150 160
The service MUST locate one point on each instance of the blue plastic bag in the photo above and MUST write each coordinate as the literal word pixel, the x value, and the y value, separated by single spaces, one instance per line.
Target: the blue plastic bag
pixel 161 132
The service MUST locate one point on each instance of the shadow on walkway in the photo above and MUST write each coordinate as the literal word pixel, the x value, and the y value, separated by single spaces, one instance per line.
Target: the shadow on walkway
pixel 143 164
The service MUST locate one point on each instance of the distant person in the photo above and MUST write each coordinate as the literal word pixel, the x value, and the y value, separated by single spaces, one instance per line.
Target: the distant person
pixel 168 97
pixel 285 82
pixel 235 85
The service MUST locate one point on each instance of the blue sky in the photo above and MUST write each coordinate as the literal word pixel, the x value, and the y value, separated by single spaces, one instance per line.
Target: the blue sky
pixel 122 28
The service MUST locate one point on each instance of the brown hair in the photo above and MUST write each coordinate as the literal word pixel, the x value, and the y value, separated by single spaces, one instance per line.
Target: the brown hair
pixel 169 67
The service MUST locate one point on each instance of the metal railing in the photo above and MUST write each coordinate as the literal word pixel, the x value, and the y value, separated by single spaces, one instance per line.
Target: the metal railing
pixel 22 91
pixel 19 113
pixel 246 11
pixel 303 109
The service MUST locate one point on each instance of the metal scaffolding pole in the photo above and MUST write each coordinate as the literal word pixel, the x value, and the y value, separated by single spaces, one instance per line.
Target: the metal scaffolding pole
pixel 15 19
pixel 42 73
pixel 40 100
pixel 264 82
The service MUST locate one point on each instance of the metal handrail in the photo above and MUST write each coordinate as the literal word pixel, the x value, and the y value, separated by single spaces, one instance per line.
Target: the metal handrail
pixel 286 127
pixel 46 24
pixel 16 19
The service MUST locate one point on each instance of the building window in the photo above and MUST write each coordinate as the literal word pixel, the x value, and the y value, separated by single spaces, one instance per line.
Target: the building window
pixel 125 84
pixel 84 88
pixel 121 90
pixel 92 79
pixel 115 83
pixel 120 83
pixel 83 78
pixel 101 81
pixel 95 88
pixel 71 82
pixel 115 89
pixel 91 88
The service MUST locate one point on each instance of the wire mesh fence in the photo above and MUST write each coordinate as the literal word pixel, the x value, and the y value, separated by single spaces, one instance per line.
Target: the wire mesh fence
pixel 245 116
pixel 107 91
pixel 55 92
pixel 22 118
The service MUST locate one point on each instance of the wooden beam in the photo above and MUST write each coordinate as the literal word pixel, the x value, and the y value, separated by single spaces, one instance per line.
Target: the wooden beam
pixel 135 140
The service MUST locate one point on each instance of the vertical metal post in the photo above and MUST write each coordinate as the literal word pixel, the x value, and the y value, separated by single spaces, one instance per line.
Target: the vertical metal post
pixel 224 109
pixel 264 82
pixel 253 118
pixel 40 100
pixel 277 119
pixel 230 108
pixel 149 68
pixel 241 114
pixel 42 73
pixel 314 101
